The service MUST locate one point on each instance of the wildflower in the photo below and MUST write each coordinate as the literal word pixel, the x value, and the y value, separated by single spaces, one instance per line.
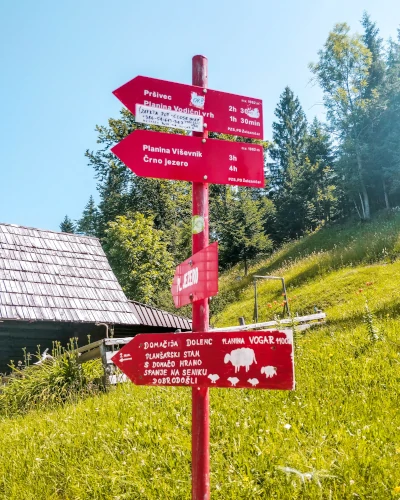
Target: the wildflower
pixel 270 305
pixel 397 450
pixel 360 290
pixel 275 302
pixel 396 490
pixel 369 283
pixel 287 426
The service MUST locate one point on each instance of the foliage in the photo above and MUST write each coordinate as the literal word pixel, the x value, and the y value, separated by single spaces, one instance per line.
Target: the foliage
pixel 369 319
pixel 289 135
pixel 122 192
pixel 240 229
pixel 318 172
pixel 139 257
pixel 52 383
pixel 343 74
pixel 67 226
pixel 88 223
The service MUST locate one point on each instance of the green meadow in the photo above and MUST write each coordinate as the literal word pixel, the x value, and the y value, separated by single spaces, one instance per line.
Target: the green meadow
pixel 337 436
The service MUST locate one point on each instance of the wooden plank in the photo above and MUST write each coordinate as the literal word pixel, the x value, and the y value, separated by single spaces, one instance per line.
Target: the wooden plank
pixel 255 326
pixel 89 355
pixel 117 341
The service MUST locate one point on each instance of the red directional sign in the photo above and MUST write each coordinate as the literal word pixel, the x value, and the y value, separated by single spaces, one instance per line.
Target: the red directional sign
pixel 185 158
pixel 197 277
pixel 258 360
pixel 226 113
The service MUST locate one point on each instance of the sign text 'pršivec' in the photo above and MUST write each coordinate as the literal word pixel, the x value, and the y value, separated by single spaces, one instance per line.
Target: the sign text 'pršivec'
pixel 222 112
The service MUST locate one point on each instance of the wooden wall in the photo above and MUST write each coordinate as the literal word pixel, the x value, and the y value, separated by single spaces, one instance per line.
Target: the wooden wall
pixel 15 335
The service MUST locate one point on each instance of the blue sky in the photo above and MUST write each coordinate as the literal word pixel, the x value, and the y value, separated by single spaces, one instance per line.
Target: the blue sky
pixel 60 62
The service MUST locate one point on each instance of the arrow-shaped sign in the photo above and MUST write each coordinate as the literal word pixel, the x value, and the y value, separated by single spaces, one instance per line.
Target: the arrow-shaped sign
pixel 222 112
pixel 193 159
pixel 252 360
pixel 197 277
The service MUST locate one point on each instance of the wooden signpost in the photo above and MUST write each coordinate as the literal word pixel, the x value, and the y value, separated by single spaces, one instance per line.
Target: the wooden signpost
pixel 201 359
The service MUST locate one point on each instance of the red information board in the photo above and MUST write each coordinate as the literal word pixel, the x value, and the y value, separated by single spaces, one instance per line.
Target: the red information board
pixel 185 158
pixel 258 360
pixel 222 112
pixel 197 277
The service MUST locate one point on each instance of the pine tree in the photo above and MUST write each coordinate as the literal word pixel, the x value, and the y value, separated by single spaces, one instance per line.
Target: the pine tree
pixel 88 223
pixel 387 133
pixel 375 93
pixel 67 226
pixel 241 230
pixel 287 175
pixel 122 192
pixel 289 135
pixel 320 179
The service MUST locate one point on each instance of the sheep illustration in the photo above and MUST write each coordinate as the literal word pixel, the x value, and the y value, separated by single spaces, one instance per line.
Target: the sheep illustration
pixel 241 357
pixel 253 381
pixel 233 381
pixel 213 377
pixel 269 371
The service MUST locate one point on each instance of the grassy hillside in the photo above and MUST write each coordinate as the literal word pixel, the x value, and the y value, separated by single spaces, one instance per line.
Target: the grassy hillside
pixel 341 426
pixel 329 269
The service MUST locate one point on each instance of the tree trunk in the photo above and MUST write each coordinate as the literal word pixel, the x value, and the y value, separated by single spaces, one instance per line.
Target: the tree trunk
pixel 365 198
pixel 387 204
pixel 245 264
pixel 355 204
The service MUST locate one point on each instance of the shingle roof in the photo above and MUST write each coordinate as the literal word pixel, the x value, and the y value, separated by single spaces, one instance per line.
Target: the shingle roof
pixel 152 316
pixel 50 276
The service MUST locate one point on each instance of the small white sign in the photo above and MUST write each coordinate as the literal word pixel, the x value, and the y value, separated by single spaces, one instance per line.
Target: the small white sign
pixel 168 118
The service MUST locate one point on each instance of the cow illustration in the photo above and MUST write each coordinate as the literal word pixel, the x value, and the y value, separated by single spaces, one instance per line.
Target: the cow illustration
pixel 253 381
pixel 243 356
pixel 233 381
pixel 269 371
pixel 213 377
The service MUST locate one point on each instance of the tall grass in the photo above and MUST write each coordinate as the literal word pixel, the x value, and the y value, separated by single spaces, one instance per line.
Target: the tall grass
pixel 341 427
pixel 52 383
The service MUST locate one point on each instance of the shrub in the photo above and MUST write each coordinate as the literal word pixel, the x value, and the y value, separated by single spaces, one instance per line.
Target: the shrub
pixel 53 382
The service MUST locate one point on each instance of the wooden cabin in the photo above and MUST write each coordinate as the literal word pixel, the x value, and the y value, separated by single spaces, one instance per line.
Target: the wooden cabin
pixel 55 286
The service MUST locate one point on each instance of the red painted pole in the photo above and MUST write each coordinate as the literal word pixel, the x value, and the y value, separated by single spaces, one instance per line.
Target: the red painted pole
pixel 200 319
